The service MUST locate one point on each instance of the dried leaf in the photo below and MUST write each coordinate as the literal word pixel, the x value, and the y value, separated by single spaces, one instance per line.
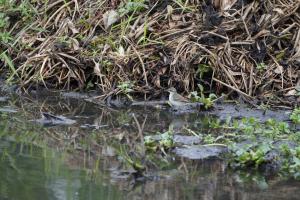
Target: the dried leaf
pixel 97 70
pixel 291 93
pixel 224 4
pixel 121 51
pixel 157 82
pixel 169 11
pixel 72 27
pixel 279 69
pixel 75 44
pixel 162 71
pixel 278 10
pixel 110 17
pixel 176 17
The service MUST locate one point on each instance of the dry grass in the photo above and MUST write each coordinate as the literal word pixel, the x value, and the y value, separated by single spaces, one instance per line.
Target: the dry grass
pixel 249 47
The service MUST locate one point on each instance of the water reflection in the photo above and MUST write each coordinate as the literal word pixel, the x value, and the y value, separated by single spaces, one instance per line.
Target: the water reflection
pixel 29 172
pixel 85 160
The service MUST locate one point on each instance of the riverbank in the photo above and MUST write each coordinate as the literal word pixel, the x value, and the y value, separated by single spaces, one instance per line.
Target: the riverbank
pixel 139 48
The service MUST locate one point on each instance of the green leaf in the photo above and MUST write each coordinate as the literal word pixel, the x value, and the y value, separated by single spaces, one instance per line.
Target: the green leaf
pixel 10 64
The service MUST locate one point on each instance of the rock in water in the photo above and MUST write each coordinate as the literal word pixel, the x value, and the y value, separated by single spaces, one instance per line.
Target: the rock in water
pixel 52 120
pixel 201 152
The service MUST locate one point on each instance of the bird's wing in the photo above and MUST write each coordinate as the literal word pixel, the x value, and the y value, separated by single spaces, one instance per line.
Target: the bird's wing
pixel 181 98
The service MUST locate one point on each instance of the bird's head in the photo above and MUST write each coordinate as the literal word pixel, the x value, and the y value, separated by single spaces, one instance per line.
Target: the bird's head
pixel 172 89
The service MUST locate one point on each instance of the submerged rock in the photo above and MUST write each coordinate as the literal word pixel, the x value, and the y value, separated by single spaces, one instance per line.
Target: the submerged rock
pixel 186 140
pixel 223 111
pixel 75 95
pixel 201 152
pixel 52 120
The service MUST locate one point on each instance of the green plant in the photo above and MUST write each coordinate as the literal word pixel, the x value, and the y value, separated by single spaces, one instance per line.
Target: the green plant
pixel 26 9
pixel 5 37
pixel 295 116
pixel 183 5
pixel 291 164
pixel 7 60
pixel 3 20
pixel 203 69
pixel 126 88
pixel 209 139
pixel 250 154
pixel 160 140
pixel 132 6
pixel 295 137
pixel 261 66
pixel 132 160
pixel 208 102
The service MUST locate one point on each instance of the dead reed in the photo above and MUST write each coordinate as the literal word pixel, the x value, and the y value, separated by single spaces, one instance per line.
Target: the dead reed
pixel 142 46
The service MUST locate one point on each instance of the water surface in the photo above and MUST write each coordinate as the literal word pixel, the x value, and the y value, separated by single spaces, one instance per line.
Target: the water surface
pixel 87 160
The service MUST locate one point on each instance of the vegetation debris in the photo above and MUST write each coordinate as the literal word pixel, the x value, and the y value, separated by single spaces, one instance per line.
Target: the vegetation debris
pixel 245 47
